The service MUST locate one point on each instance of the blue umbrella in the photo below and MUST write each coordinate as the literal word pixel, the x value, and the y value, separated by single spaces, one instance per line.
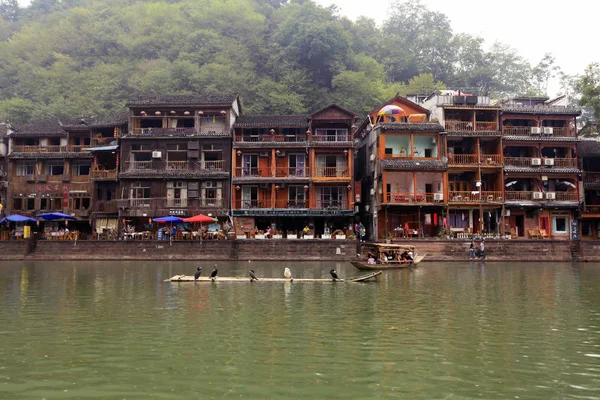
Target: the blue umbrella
pixel 56 215
pixel 170 218
pixel 17 218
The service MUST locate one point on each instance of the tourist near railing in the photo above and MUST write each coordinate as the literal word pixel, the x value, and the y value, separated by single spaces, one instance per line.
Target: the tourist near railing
pixel 475 197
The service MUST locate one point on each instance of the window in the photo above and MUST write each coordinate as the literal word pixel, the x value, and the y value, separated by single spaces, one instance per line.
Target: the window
pixel 211 193
pixel 30 203
pixel 81 203
pixel 296 197
pixel 331 197
pixel 296 164
pixel 81 167
pixel 560 225
pixel 25 168
pixel 250 197
pixel 17 203
pixel 139 194
pixel 55 167
pixel 332 166
pixel 176 194
pixel 250 165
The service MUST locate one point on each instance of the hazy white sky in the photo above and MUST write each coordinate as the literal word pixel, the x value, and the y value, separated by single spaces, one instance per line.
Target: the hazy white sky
pixel 533 27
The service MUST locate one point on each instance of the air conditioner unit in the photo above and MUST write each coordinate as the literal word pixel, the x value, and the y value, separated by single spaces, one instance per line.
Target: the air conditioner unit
pixel 433 141
pixel 156 154
pixel 438 196
pixel 264 154
pixel 548 161
pixel 372 157
pixel 548 131
pixel 281 154
pixel 264 185
pixel 550 196
pixel 209 184
pixel 538 195
pixel 536 161
pixel 536 131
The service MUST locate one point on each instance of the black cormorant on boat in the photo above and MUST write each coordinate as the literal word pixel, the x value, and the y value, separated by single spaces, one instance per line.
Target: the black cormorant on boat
pixel 252 276
pixel 213 274
pixel 198 273
pixel 334 275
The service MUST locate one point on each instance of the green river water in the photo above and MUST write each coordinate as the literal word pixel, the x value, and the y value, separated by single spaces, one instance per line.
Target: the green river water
pixel 115 330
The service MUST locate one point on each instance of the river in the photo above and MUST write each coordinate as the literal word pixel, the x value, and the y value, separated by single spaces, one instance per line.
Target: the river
pixel 115 330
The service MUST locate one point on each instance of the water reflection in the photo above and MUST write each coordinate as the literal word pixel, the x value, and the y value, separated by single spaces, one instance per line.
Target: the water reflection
pixel 472 330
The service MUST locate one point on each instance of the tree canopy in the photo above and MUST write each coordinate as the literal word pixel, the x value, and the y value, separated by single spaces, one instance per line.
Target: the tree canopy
pixel 66 58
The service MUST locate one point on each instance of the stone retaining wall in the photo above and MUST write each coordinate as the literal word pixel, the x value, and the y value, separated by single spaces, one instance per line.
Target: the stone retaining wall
pixel 436 250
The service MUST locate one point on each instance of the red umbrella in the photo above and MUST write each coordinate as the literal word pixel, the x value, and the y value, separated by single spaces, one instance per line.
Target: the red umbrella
pixel 200 218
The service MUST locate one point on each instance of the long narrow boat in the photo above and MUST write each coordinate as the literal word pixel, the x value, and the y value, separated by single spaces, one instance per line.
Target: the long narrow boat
pixel 188 278
pixel 382 252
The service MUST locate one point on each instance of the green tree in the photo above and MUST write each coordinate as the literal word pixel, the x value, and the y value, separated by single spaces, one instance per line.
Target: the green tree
pixel 589 87
pixel 9 10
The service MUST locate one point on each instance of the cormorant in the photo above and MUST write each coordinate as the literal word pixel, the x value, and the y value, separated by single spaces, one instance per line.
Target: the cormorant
pixel 288 274
pixel 213 274
pixel 334 275
pixel 198 273
pixel 252 276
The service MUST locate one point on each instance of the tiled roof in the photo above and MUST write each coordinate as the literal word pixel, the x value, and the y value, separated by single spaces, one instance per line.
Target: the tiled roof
pixel 541 110
pixel 553 170
pixel 474 133
pixel 49 127
pixel 150 173
pixel 116 119
pixel 540 204
pixel 539 138
pixel 467 106
pixel 335 106
pixel 588 148
pixel 271 121
pixel 50 155
pixel 405 127
pixel 183 100
pixel 414 164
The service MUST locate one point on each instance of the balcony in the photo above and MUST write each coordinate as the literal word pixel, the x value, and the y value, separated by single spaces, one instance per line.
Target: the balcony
pixel 105 174
pixel 252 172
pixel 591 210
pixel 165 203
pixel 177 202
pixel 48 149
pixel 177 165
pixel 139 165
pixel 145 132
pixel 270 138
pixel 528 162
pixel 331 138
pixel 340 204
pixel 468 126
pixel 293 204
pixel 539 131
pixel 103 141
pixel 292 172
pixel 541 196
pixel 566 196
pixel 216 165
pixel 413 198
pixel 332 172
pixel 475 197
pixel 106 207
pixel 591 179
pixel 242 204
pixel 463 159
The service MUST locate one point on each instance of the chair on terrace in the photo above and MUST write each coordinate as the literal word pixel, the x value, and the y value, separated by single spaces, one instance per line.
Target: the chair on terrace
pixel 544 234
pixel 534 233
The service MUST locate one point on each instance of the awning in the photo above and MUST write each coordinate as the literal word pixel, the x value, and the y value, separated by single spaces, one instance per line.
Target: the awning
pixel 102 148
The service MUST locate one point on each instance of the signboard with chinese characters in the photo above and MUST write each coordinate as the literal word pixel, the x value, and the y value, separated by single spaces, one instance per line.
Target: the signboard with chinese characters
pixel 574 229
pixel 178 213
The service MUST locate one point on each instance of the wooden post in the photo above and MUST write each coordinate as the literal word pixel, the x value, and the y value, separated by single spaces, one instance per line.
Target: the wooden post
pixel 381 147
pixel 415 184
pixel 384 188
pixel 273 195
pixel 273 162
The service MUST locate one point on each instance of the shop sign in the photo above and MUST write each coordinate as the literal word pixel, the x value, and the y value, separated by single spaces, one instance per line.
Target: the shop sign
pixel 574 229
pixel 179 213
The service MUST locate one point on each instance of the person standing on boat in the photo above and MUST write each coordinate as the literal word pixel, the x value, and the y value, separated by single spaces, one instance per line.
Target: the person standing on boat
pixel 472 251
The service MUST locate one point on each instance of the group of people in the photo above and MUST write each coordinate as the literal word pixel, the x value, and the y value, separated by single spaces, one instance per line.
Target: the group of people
pixel 360 232
pixel 391 256
pixel 472 255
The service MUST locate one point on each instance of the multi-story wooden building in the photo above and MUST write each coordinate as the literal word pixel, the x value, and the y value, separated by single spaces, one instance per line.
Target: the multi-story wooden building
pixel 541 171
pixel 290 172
pixel 175 157
pixel 3 166
pixel 589 161
pixel 403 157
pixel 49 170
pixel 474 195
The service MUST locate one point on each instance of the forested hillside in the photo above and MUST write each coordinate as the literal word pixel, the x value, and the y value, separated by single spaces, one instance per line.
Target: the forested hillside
pixel 69 58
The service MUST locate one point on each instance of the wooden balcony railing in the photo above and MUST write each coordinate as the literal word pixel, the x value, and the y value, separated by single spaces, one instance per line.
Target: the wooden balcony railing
pixel 566 196
pixel 102 206
pixel 242 204
pixel 462 159
pixel 216 165
pixel 210 203
pixel 140 202
pixel 177 165
pixel 161 202
pixel 525 162
pixel 592 209
pixel 341 204
pixel 161 131
pixel 270 138
pixel 177 202
pixel 475 197
pixel 332 172
pixel 516 130
pixel 331 138
pixel 252 172
pixel 139 165
pixel 519 196
pixel 107 174
pixel 291 203
pixel 298 172
pixel 409 198
pixel 491 159
pixel 539 131
pixel 468 125
pixel 48 149
pixel 104 141
pixel 591 177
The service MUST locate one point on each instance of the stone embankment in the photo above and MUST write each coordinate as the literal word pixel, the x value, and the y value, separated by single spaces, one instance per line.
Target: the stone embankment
pixel 275 250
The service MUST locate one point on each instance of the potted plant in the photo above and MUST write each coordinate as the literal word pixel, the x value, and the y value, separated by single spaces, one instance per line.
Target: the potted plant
pixel 277 235
pixel 292 235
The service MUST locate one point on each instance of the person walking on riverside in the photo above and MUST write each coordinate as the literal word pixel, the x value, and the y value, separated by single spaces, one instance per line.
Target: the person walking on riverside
pixel 482 247
pixel 472 251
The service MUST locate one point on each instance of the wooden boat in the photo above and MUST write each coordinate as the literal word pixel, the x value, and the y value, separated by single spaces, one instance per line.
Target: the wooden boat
pixel 188 278
pixel 379 250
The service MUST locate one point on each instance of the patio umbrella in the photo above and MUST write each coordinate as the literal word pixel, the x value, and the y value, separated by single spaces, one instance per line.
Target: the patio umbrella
pixel 56 215
pixel 200 218
pixel 17 218
pixel 169 218
pixel 391 109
